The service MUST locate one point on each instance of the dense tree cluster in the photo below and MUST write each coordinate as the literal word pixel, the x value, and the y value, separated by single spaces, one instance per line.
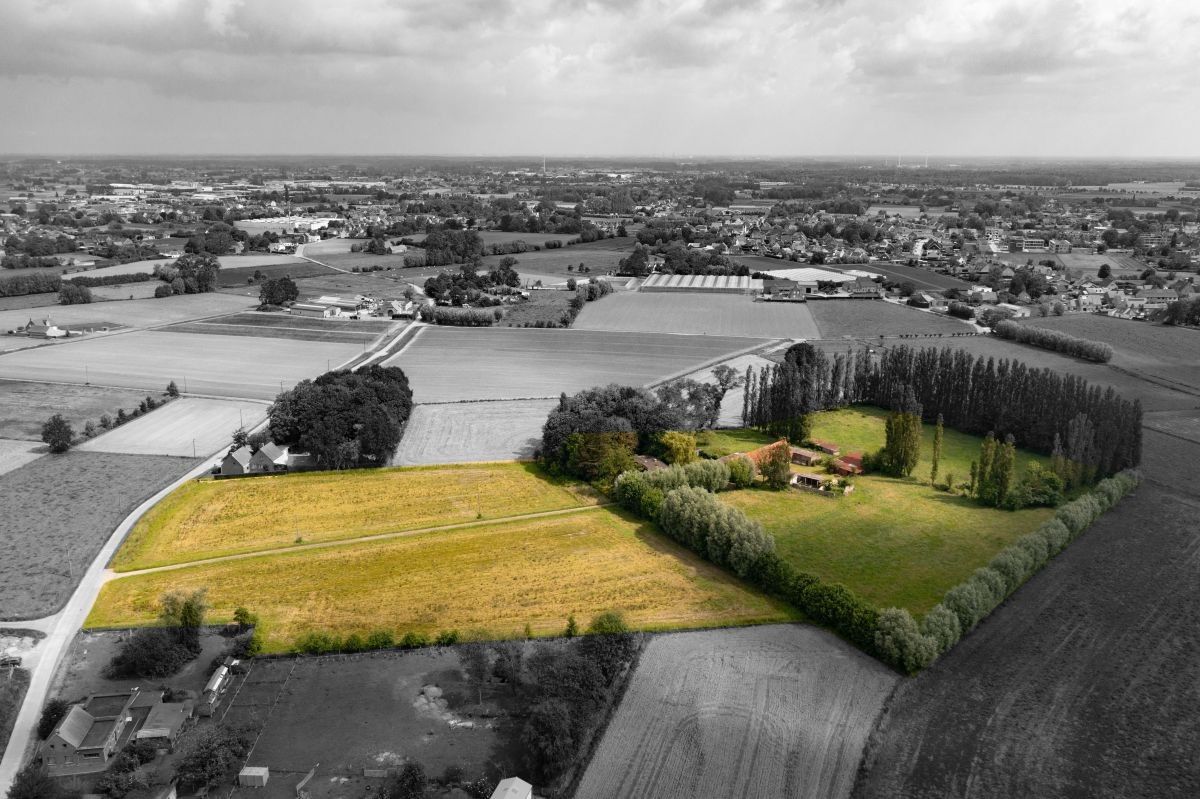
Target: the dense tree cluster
pixel 961 310
pixel 902 436
pixel 468 285
pixel 112 280
pixel 723 534
pixel 345 418
pixel 190 274
pixel 461 317
pixel 1056 340
pixel 40 246
pixel 210 754
pixel 278 291
pixel 162 651
pixel 72 293
pixel 21 285
pixel 973 395
pixel 1181 312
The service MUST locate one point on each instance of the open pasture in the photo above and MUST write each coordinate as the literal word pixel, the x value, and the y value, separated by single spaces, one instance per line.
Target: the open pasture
pixel 868 319
pixel 288 326
pixel 550 266
pixel 212 518
pixel 131 268
pixel 226 366
pixel 143 290
pixel 25 406
pixel 472 431
pixel 894 542
pixel 754 712
pixel 186 427
pixel 26 301
pixel 15 454
pixel 58 511
pixel 448 364
pixel 125 313
pixel 698 314
pixel 1089 263
pixel 578 563
pixel 257 260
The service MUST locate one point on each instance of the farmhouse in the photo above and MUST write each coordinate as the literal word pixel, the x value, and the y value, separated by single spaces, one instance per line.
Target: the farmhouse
pixel 236 462
pixel 86 739
pixel 269 458
pixel 44 329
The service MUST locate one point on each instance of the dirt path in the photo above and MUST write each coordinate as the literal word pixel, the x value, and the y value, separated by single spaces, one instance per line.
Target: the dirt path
pixel 109 574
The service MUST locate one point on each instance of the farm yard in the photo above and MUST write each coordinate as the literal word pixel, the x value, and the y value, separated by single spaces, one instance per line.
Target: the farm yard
pixel 698 314
pixel 186 427
pixel 212 518
pixel 754 712
pixel 289 326
pixel 866 319
pixel 583 562
pixel 894 542
pixel 472 431
pixel 59 510
pixel 448 364
pixel 15 454
pixel 370 712
pixel 25 406
pixel 226 366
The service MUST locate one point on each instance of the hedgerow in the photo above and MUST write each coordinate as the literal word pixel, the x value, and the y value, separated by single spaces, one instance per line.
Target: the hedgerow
pixel 1055 340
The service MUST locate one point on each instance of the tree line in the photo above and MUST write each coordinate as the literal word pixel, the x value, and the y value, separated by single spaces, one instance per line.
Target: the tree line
pixel 974 395
pixel 1056 340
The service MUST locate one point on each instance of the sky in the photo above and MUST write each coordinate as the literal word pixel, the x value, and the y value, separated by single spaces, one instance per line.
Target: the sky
pixel 1045 78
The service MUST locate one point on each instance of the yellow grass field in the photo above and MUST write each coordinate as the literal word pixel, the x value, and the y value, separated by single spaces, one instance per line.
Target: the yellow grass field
pixel 488 580
pixel 211 518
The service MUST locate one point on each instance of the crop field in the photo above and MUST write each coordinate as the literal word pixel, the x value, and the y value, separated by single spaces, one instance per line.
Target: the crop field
pixel 288 326
pixel 698 314
pixel 128 313
pixel 58 511
pixel 15 454
pixel 472 431
pixel 1084 683
pixel 25 406
pixel 1159 352
pixel 186 427
pixel 225 366
pixel 1089 263
pixel 126 291
pixel 237 276
pixel 895 542
pixel 581 563
pixel 383 285
pixel 447 364
pixel 369 712
pixel 258 260
pixel 131 268
pixel 211 518
pixel 872 318
pixel 550 266
pixel 755 712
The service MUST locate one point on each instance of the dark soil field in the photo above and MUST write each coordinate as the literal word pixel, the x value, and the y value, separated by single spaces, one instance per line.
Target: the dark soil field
pixel 58 511
pixel 24 407
pixel 869 319
pixel 241 276
pixel 281 325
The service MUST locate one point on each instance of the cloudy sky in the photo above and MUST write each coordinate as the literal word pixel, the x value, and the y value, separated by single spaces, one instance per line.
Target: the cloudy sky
pixel 735 77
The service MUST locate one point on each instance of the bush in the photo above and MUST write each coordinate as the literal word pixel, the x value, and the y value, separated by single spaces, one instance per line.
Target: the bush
pixel 163 290
pixel 901 643
pixel 52 713
pixel 316 643
pixel 58 434
pixel 74 294
pixel 1056 340
pixel 1015 565
pixel 741 472
pixel 677 447
pixel 942 626
pixel 149 652
pixel 961 310
pixel 722 534
pixel 380 639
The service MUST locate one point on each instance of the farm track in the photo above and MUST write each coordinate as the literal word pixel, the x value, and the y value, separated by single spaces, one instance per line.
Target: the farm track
pixel 110 575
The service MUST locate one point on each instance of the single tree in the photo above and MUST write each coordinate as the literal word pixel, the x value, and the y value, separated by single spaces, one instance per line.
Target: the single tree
pixel 57 433
pixel 172 389
pixel 937 451
pixel 776 466
pixel 52 713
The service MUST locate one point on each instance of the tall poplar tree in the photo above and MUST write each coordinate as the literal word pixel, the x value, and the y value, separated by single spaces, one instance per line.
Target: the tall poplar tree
pixel 937 451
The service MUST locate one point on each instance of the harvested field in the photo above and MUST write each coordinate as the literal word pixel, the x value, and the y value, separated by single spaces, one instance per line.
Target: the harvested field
pixel 764 711
pixel 370 712
pixel 837 319
pixel 186 427
pixel 698 314
pixel 129 313
pixel 506 363
pixel 381 285
pixel 58 511
pixel 226 366
pixel 211 518
pixel 15 454
pixel 582 562
pixel 24 406
pixel 257 260
pixel 289 326
pixel 923 279
pixel 1157 352
pixel 473 431
pixel 1084 683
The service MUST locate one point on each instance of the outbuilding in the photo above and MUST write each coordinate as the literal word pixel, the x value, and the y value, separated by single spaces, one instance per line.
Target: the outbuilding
pixel 254 776
pixel 513 788
pixel 313 310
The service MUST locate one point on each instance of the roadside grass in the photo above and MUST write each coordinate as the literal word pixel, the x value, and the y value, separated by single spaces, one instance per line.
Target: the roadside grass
pixel 895 542
pixel 485 581
pixel 211 518
pixel 13 683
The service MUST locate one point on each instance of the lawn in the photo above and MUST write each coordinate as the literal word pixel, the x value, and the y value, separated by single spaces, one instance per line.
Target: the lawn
pixel 212 518
pixel 894 542
pixel 486 580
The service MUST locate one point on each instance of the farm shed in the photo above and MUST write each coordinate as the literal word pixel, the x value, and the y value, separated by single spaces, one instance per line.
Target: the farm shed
pixel 718 284
pixel 254 776
pixel 807 480
pixel 313 310
pixel 269 458
pixel 513 788
pixel 806 457
pixel 848 464
pixel 164 722
pixel 828 447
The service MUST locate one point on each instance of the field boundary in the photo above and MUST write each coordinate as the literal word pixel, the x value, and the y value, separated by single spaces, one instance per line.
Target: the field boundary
pixel 114 574
pixel 762 346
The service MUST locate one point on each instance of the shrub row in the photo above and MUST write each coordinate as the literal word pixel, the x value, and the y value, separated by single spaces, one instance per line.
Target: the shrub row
pixel 111 280
pixel 961 310
pixel 643 492
pixel 323 643
pixel 461 317
pixel 20 285
pixel 1055 340
pixel 718 532
pixel 909 646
